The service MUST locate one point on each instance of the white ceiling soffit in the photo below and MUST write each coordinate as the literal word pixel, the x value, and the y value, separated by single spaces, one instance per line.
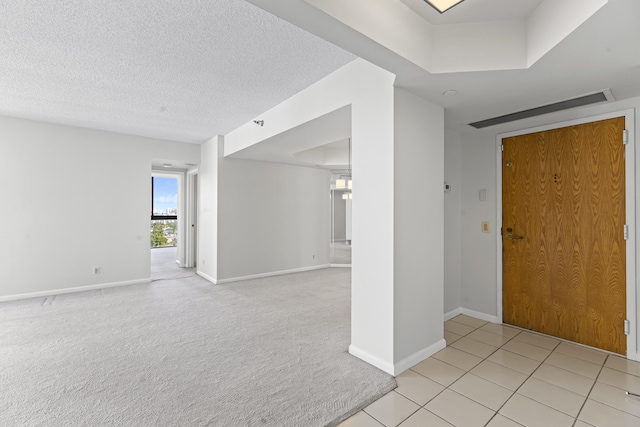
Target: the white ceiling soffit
pixel 601 53
pixel 311 144
pixel 476 11
pixel 183 70
pixel 517 37
pixel 334 155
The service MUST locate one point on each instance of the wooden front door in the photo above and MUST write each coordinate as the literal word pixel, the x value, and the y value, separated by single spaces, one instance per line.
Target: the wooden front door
pixel 563 216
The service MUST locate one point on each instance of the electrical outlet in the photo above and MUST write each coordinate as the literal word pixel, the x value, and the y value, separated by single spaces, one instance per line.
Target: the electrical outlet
pixel 96 270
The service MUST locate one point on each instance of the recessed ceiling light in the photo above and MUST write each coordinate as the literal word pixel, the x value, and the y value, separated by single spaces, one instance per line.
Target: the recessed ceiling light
pixel 443 5
pixel 166 165
pixel 450 92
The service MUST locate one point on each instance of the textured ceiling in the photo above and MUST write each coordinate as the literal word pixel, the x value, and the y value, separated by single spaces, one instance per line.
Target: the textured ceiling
pixel 188 70
pixel 184 70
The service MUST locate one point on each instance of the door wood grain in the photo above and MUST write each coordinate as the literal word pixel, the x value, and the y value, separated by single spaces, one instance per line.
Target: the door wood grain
pixel 563 192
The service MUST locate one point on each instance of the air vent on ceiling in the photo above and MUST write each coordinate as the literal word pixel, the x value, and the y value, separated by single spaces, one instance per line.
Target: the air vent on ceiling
pixel 580 101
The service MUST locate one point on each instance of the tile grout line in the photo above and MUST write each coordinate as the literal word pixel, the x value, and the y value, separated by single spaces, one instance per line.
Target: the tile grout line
pixel 596 380
pixel 409 416
pixel 466 372
pixel 495 412
pixel 604 362
pixel 560 341
pixel 514 392
pixel 520 386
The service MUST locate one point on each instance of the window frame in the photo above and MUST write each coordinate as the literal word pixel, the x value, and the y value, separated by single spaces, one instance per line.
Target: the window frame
pixel 159 217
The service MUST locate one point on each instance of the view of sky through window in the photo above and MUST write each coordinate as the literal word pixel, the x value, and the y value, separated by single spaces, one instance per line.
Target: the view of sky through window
pixel 165 196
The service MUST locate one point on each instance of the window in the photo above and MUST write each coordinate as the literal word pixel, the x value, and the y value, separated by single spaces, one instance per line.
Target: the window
pixel 164 198
pixel 164 211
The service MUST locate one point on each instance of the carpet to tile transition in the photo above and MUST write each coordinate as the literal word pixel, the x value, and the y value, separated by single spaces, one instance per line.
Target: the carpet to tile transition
pixel 184 352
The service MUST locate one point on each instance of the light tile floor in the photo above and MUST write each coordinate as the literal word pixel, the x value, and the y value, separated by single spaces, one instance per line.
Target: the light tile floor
pixel 499 376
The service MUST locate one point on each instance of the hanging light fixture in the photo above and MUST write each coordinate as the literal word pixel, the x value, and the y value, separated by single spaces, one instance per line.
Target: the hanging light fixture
pixel 443 5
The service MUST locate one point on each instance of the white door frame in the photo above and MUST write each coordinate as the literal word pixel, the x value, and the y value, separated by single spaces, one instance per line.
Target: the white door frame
pixel 630 202
pixel 191 242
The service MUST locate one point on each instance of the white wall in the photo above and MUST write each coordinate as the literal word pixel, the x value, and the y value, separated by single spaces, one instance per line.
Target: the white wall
pixel 369 91
pixel 418 163
pixel 339 216
pixel 259 218
pixel 211 152
pixel 271 217
pixel 452 222
pixel 478 171
pixel 348 226
pixel 74 199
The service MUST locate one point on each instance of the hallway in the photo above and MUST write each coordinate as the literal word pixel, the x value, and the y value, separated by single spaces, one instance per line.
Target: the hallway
pixel 164 265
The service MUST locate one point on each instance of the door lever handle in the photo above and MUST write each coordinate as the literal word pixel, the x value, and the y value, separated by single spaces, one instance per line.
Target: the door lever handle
pixel 514 237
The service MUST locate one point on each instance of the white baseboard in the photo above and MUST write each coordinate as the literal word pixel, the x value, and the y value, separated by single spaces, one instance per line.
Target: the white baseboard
pixel 406 363
pixel 372 360
pixel 206 276
pixel 70 290
pixel 633 356
pixel 453 313
pixel 340 265
pixel 418 357
pixel 479 315
pixel 270 274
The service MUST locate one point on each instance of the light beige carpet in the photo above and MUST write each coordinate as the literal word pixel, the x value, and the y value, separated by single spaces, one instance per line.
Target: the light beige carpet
pixel 184 352
pixel 340 253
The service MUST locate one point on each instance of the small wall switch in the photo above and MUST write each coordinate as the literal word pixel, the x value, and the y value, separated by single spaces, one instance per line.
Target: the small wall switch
pixel 485 227
pixel 447 187
pixel 96 270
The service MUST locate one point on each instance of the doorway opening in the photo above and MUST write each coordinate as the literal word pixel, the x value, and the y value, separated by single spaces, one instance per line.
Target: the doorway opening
pixel 340 252
pixel 164 211
pixel 167 215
